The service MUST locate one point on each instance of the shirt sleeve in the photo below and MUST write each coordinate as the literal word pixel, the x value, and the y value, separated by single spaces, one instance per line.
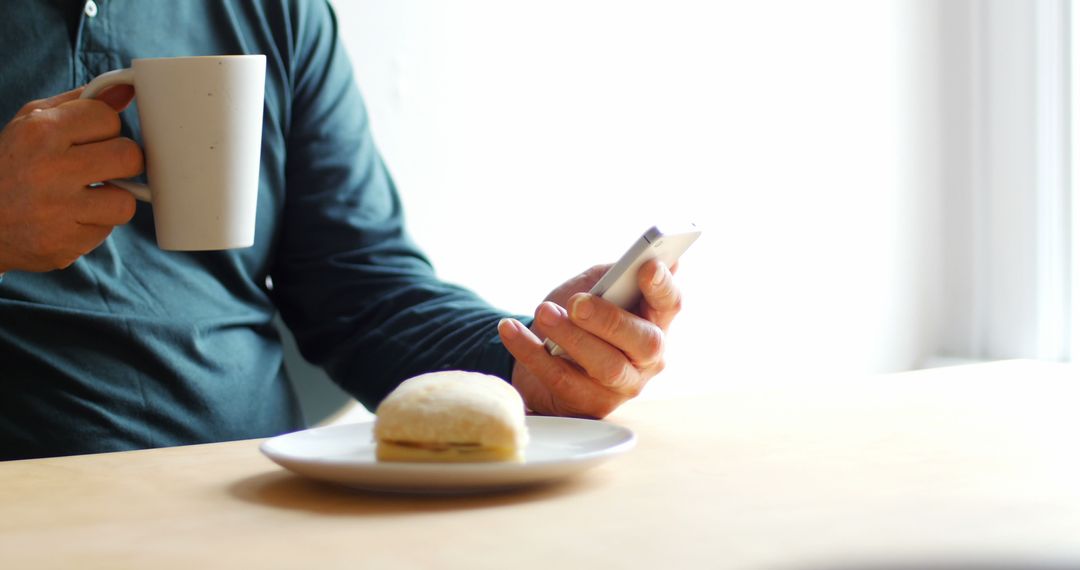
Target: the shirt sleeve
pixel 362 300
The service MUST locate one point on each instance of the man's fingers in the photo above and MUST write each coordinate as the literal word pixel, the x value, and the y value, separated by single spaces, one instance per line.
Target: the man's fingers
pixel 117 96
pixel 662 299
pixel 113 158
pixel 603 362
pixel 105 206
pixel 81 121
pixel 581 282
pixel 49 102
pixel 78 240
pixel 639 339
pixel 89 237
pixel 566 390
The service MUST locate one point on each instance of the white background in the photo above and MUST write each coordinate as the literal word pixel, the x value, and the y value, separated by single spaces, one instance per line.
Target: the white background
pixel 531 140
pixel 823 146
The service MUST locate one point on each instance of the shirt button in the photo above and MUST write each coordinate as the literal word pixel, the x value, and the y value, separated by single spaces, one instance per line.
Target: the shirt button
pixel 90 8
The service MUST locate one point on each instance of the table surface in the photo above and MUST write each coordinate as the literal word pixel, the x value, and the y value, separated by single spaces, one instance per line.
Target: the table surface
pixel 964 467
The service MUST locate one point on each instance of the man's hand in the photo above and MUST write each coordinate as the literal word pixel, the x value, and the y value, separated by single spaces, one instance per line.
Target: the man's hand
pixel 49 155
pixel 612 353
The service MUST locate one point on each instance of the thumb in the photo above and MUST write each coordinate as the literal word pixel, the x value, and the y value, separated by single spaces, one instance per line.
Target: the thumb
pixel 49 102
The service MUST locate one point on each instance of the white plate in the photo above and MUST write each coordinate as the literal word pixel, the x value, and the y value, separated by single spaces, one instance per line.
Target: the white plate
pixel 345 454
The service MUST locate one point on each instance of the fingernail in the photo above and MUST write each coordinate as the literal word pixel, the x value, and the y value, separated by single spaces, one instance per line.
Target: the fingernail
pixel 658 277
pixel 582 307
pixel 548 315
pixel 507 328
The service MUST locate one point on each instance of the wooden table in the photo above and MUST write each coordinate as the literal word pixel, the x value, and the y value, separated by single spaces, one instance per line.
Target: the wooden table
pixel 965 467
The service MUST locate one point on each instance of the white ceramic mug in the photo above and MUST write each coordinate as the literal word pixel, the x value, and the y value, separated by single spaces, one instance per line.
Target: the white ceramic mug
pixel 202 136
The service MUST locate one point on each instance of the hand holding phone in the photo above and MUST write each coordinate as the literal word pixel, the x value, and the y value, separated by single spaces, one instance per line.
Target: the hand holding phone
pixel 619 284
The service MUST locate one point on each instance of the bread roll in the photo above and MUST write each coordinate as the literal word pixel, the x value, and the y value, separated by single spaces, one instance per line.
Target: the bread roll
pixel 451 416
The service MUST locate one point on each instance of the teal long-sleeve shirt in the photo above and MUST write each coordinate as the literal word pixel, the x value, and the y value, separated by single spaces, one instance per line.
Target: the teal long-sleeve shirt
pixel 134 347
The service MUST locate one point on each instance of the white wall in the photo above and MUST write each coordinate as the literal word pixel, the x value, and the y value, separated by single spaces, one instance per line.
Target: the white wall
pixel 1005 158
pixel 533 139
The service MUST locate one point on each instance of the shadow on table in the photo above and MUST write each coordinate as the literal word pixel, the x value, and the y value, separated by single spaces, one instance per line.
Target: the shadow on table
pixel 285 490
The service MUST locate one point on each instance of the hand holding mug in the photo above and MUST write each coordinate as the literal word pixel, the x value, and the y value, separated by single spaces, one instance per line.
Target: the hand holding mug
pixel 201 123
pixel 50 153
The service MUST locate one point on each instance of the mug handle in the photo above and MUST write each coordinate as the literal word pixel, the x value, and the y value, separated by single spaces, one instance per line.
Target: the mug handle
pixel 124 76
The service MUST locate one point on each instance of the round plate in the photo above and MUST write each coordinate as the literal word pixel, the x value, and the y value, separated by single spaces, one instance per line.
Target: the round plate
pixel 345 454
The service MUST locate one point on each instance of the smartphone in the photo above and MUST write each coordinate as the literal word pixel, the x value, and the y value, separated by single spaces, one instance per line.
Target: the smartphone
pixel 619 284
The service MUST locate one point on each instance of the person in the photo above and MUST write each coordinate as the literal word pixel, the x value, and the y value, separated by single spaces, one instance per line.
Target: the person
pixel 109 343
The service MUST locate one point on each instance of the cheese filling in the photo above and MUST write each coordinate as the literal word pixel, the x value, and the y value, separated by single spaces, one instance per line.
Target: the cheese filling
pixel 397 450
pixel 435 446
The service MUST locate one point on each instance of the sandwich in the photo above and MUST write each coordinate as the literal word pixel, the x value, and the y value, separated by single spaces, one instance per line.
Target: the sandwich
pixel 451 416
